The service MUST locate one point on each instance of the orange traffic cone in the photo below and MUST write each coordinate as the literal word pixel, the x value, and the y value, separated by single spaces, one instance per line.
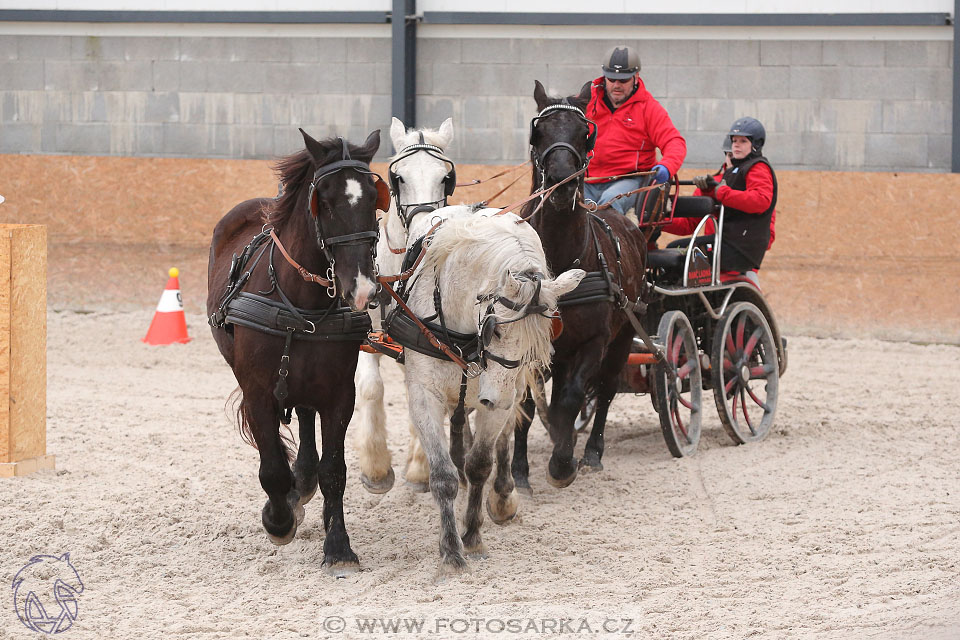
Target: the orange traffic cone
pixel 169 324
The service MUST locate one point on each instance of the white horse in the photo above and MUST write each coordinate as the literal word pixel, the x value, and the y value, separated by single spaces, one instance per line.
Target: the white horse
pixel 494 283
pixel 421 178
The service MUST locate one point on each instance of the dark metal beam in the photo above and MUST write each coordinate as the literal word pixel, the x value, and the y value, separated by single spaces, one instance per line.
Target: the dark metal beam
pixel 692 19
pixel 404 61
pixel 193 17
pixel 955 150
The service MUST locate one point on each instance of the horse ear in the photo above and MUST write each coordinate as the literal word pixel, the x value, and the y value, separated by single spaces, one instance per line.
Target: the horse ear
pixel 540 95
pixel 397 133
pixel 582 99
pixel 313 147
pixel 369 147
pixel 565 282
pixel 446 133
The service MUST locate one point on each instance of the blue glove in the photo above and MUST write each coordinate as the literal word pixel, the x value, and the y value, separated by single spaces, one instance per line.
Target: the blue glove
pixel 663 174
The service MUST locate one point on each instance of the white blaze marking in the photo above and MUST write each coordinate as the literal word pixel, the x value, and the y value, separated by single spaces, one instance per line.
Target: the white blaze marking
pixel 353 192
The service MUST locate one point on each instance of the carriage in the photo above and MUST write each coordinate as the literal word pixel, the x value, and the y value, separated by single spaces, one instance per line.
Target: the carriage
pixel 710 332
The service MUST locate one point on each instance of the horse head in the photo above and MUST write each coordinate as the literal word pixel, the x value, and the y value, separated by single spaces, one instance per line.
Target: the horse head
pixel 421 176
pixel 561 141
pixel 342 200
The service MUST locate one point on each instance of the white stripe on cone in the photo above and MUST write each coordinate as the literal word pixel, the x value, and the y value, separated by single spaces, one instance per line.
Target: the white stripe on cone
pixel 171 300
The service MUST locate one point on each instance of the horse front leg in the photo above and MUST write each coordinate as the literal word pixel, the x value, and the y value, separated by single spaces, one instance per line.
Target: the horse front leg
pixel 370 441
pixel 457 444
pixel 338 558
pixel 479 461
pixel 426 414
pixel 608 382
pixel 306 468
pixel 569 392
pixel 282 513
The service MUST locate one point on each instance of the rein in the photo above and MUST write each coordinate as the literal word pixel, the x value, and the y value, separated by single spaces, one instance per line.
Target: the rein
pixel 306 275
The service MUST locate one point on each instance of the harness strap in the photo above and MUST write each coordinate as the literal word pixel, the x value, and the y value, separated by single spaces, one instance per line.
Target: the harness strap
pixel 405 275
pixel 280 391
pixel 447 351
pixel 306 275
pixel 351 238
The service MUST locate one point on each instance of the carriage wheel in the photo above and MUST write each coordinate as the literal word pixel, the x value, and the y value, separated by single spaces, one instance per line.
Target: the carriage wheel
pixel 677 385
pixel 745 373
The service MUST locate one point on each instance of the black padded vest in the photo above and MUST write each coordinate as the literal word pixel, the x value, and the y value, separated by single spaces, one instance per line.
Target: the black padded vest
pixel 745 235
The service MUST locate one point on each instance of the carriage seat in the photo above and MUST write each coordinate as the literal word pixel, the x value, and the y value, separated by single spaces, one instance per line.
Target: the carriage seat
pixel 670 260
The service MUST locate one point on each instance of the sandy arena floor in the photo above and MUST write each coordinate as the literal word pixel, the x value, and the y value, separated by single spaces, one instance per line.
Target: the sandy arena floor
pixel 844 523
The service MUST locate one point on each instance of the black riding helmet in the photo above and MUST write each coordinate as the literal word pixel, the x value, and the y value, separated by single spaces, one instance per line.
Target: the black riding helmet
pixel 752 129
pixel 621 63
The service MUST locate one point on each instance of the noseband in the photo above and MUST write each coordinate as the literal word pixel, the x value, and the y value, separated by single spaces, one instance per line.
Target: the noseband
pixel 409 210
pixel 327 243
pixel 488 328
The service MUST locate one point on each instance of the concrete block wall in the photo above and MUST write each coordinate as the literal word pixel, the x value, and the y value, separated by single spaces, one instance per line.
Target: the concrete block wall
pixel 218 97
pixel 827 104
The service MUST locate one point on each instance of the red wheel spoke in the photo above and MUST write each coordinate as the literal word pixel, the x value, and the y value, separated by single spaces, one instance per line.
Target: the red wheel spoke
pixel 686 369
pixel 687 403
pixel 759 402
pixel 731 348
pixel 754 338
pixel 761 372
pixel 741 325
pixel 727 387
pixel 727 363
pixel 675 348
pixel 743 408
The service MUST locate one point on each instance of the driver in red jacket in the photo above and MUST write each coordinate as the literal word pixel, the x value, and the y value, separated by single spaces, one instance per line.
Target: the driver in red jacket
pixel 631 126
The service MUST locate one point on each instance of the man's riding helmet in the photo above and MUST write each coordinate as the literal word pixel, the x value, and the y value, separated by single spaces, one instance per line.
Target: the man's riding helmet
pixel 621 63
pixel 750 128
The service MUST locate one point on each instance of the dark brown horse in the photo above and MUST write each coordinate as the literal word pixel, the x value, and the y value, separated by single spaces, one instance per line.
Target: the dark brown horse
pixel 285 331
pixel 596 337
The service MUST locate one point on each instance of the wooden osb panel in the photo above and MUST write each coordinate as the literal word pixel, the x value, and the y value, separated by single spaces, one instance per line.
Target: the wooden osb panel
pixel 6 443
pixel 870 254
pixel 27 311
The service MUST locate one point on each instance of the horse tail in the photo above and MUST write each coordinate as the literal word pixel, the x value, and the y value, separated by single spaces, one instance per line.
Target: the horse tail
pixel 239 408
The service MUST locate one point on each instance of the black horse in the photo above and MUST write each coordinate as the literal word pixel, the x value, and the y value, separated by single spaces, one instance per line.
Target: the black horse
pixel 284 330
pixel 597 335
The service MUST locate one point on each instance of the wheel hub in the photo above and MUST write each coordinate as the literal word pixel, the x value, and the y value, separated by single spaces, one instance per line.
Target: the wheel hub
pixel 744 373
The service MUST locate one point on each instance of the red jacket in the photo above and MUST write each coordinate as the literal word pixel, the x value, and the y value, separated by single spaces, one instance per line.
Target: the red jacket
pixel 755 199
pixel 627 138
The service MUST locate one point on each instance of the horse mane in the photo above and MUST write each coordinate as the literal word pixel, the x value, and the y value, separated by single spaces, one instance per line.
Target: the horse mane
pixel 500 249
pixel 295 173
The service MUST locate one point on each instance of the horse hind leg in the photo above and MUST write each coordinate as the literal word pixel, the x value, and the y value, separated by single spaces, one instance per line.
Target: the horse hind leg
pixel 370 441
pixel 457 441
pixel 519 466
pixel 607 386
pixel 417 473
pixel 282 513
pixel 502 501
pixel 306 467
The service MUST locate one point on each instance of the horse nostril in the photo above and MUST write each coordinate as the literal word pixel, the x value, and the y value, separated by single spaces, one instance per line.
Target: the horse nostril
pixel 487 403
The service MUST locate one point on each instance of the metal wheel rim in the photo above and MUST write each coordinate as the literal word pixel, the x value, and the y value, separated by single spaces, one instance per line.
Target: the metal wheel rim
pixel 745 372
pixel 680 411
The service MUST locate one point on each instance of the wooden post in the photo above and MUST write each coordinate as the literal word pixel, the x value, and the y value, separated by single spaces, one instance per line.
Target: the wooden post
pixel 23 350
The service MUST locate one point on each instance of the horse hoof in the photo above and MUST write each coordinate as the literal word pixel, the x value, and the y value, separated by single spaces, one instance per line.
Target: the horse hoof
pixel 506 508
pixel 381 486
pixel 418 487
pixel 476 552
pixel 561 483
pixel 452 566
pixel 591 462
pixel 298 514
pixel 341 568
pixel 307 498
pixel 527 490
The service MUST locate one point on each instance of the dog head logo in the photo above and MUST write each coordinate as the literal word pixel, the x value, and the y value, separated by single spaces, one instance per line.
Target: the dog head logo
pixel 45 594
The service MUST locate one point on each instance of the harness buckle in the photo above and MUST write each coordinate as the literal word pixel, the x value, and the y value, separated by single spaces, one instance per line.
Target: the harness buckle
pixel 473 370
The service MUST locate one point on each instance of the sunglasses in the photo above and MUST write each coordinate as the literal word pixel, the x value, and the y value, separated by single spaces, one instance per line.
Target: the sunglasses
pixel 625 81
